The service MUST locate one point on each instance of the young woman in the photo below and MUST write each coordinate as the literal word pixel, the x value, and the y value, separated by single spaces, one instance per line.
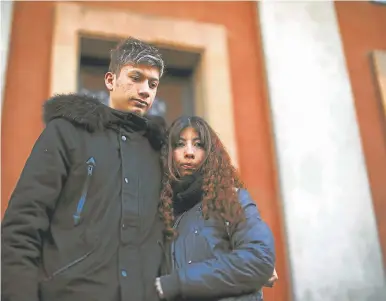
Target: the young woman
pixel 217 246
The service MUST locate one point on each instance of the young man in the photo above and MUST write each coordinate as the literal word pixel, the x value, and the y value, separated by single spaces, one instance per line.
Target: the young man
pixel 82 223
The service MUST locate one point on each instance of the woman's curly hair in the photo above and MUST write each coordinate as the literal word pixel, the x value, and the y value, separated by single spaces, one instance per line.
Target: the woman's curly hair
pixel 220 177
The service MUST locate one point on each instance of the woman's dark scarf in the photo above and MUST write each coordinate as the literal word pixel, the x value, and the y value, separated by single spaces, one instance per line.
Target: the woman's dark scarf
pixel 187 192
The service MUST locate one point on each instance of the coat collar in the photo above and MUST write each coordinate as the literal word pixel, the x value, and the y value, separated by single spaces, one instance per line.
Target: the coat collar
pixel 90 113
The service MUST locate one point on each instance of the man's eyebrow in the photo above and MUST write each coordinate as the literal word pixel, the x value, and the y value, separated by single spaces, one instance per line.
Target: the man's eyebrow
pixel 139 72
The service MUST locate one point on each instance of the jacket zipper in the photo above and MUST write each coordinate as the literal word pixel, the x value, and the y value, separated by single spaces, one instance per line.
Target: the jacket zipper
pixel 66 267
pixel 90 167
pixel 172 246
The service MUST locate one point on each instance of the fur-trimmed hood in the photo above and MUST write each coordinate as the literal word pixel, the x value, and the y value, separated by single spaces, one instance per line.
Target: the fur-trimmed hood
pixel 90 113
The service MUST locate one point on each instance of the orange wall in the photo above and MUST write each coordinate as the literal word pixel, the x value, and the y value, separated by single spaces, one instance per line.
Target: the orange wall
pixel 28 85
pixel 363 29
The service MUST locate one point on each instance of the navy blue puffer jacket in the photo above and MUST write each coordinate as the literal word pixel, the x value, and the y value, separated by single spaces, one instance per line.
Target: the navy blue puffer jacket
pixel 212 260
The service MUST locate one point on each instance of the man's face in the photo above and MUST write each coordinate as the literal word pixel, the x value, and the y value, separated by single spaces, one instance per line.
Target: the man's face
pixel 133 89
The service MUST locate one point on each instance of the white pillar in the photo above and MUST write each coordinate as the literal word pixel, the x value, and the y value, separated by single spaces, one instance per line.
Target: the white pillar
pixel 334 250
pixel 6 26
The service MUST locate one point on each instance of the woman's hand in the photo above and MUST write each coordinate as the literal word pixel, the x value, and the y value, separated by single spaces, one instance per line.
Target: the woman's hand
pixel 272 280
pixel 158 287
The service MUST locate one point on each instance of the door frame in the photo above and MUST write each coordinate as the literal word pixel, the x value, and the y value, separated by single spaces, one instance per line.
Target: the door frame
pixel 213 96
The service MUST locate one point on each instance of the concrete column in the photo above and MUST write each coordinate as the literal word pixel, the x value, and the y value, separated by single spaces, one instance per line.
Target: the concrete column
pixel 6 26
pixel 334 251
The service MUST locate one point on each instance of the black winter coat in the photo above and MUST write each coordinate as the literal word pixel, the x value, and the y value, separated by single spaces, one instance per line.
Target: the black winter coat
pixel 212 260
pixel 82 223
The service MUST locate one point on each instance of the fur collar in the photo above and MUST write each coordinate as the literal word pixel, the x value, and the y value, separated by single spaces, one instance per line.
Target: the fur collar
pixel 88 112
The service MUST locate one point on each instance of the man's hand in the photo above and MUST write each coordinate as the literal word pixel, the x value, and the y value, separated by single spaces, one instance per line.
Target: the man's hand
pixel 158 287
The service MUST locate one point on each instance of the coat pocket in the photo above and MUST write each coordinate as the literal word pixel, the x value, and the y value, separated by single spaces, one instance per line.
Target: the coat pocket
pixel 76 263
pixel 197 246
pixel 79 209
pixel 59 283
pixel 69 266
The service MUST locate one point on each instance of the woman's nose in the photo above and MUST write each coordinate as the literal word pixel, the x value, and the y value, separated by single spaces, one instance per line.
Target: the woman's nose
pixel 189 153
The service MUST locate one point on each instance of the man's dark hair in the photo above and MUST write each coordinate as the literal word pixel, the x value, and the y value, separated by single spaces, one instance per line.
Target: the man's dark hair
pixel 134 51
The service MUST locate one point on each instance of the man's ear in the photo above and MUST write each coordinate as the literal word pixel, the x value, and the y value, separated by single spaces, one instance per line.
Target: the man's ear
pixel 109 80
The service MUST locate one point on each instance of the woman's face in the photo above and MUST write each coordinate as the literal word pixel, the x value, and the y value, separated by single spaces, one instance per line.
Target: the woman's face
pixel 188 153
